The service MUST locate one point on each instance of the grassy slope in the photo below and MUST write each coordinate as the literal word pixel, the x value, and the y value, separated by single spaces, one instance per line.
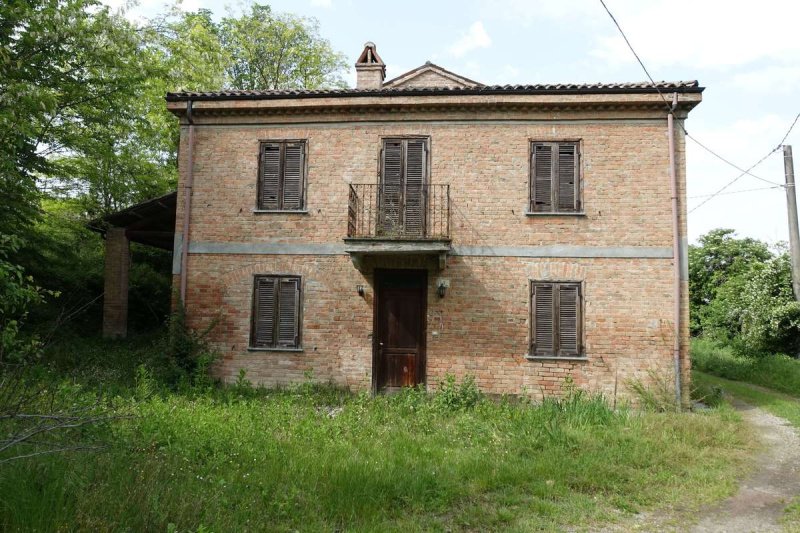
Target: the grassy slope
pixel 779 404
pixel 281 462
pixel 777 372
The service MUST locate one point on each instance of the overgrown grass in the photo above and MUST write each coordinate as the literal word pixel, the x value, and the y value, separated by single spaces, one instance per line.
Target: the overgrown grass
pixel 778 372
pixel 317 458
pixel 779 404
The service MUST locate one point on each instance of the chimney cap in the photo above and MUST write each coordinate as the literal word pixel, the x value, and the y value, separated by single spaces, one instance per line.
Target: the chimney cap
pixel 370 55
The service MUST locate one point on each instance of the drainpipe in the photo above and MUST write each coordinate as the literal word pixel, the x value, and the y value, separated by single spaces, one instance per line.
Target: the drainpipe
pixel 187 202
pixel 676 252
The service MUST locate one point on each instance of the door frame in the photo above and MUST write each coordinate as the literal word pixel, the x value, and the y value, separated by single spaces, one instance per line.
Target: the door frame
pixel 379 276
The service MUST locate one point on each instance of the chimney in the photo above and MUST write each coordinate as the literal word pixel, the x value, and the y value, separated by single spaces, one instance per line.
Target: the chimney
pixel 370 69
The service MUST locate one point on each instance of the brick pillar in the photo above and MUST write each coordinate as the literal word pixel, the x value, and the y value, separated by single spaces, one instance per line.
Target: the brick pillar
pixel 115 301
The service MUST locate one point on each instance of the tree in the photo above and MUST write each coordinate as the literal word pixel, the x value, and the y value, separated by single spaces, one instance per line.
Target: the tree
pixel 64 67
pixel 719 257
pixel 269 51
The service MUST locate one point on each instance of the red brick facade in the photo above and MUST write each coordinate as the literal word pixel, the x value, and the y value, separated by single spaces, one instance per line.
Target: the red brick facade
pixel 619 248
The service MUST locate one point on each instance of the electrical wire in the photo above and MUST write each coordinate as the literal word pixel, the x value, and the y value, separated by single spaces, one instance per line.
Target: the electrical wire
pixel 737 192
pixel 734 180
pixel 680 125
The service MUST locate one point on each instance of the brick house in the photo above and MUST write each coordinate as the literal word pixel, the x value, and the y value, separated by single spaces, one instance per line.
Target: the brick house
pixel 387 235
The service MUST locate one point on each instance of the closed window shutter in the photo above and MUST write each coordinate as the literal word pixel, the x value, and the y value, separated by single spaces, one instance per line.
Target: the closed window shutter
pixel 265 298
pixel 293 176
pixel 269 195
pixel 567 177
pixel 288 312
pixel 542 178
pixel 568 319
pixel 543 338
pixel 414 215
pixel 391 186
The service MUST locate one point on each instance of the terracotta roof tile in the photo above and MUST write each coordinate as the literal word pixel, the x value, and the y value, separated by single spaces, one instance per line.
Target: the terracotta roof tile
pixel 549 88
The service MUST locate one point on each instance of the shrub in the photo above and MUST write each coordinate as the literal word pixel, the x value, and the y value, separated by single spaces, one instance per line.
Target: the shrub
pixel 658 395
pixel 189 351
pixel 455 396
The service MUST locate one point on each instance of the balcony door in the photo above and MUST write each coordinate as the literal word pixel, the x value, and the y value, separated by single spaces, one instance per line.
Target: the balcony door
pixel 399 351
pixel 403 189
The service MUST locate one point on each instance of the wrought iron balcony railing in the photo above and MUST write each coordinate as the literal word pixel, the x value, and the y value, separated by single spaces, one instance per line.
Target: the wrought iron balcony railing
pixel 384 212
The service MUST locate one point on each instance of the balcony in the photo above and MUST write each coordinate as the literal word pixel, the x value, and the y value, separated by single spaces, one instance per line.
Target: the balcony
pixel 383 220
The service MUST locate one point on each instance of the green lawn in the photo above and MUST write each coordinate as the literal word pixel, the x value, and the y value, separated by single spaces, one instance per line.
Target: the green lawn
pixel 320 459
pixel 777 403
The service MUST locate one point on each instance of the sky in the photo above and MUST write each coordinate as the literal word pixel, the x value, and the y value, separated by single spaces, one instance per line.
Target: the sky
pixel 746 55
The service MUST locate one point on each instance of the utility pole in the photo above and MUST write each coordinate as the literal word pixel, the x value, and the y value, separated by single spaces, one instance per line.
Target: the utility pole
pixel 794 232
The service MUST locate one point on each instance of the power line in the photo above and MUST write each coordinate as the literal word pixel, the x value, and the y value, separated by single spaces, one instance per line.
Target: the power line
pixel 737 192
pixel 734 180
pixel 788 132
pixel 680 125
pixel 712 152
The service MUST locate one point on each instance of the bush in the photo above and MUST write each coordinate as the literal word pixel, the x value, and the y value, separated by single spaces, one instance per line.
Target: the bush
pixel 18 294
pixel 188 351
pixel 658 395
pixel 454 396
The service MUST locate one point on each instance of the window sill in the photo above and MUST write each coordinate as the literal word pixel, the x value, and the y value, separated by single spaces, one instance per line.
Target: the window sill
pixel 283 211
pixel 255 349
pixel 555 214
pixel 554 358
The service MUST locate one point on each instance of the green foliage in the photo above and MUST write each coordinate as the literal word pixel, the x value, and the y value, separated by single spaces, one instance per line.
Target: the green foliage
pixel 318 458
pixel 84 130
pixel 779 404
pixel 658 394
pixel 778 372
pixel 455 396
pixel 741 294
pixel 719 258
pixel 188 350
pixel 278 51
pixel 770 313
pixel 65 66
pixel 18 294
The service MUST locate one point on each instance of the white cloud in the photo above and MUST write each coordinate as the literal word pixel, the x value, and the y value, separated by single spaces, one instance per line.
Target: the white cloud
pixel 761 213
pixel 322 3
pixel 780 79
pixel 474 38
pixel 708 34
pixel 714 34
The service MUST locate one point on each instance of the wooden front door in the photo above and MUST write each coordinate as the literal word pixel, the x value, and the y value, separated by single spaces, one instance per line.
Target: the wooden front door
pixel 399 356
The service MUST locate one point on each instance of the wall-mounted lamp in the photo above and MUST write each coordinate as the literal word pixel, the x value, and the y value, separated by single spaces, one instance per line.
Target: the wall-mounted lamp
pixel 441 286
pixel 360 289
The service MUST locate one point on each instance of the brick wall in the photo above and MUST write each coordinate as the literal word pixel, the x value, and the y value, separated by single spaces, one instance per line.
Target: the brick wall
pixel 115 275
pixel 482 323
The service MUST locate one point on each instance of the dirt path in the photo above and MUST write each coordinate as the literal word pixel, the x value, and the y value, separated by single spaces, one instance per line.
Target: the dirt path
pixel 762 497
pixel 775 480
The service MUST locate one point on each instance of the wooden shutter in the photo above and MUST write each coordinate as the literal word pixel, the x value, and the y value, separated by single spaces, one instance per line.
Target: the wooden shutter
pixel 270 179
pixel 293 170
pixel 569 319
pixel 567 177
pixel 391 196
pixel 543 311
pixel 288 312
pixel 414 208
pixel 264 300
pixel 542 178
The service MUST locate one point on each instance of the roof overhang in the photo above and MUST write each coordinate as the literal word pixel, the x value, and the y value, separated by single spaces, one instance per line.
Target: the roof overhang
pixel 151 222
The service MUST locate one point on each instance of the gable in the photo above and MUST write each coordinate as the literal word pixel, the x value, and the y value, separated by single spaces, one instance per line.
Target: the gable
pixel 430 75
